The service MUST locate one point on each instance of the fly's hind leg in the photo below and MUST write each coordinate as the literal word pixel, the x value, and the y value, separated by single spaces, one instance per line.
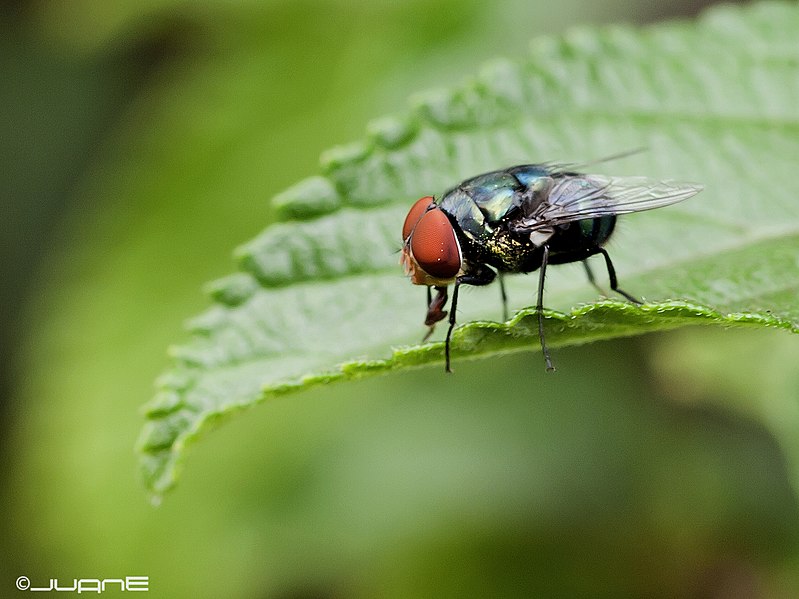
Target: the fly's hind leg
pixel 592 279
pixel 478 275
pixel 614 284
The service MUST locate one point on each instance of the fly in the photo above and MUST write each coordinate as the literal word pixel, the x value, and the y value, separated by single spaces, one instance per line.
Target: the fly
pixel 518 220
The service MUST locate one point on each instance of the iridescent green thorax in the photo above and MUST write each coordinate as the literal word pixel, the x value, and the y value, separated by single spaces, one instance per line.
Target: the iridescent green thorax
pixel 479 204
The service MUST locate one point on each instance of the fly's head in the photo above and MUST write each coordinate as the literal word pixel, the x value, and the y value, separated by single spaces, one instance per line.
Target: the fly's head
pixel 431 253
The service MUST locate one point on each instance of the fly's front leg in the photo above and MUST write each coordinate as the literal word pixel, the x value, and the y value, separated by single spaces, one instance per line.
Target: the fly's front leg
pixel 477 275
pixel 451 326
pixel 435 309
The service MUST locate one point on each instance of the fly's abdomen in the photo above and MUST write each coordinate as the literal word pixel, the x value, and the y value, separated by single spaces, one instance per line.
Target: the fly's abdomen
pixel 577 240
pixel 598 230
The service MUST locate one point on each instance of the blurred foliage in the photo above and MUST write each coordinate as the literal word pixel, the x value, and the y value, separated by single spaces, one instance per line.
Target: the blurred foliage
pixel 613 481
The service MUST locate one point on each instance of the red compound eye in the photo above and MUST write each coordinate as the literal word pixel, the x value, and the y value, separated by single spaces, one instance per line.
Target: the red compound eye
pixel 434 245
pixel 416 212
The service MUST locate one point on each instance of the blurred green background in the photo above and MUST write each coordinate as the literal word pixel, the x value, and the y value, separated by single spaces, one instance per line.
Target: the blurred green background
pixel 141 142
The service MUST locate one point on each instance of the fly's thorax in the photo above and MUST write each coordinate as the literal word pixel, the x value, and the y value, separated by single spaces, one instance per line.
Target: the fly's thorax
pixel 495 194
pixel 477 206
pixel 484 204
pixel 530 175
pixel 466 217
pixel 492 243
pixel 506 251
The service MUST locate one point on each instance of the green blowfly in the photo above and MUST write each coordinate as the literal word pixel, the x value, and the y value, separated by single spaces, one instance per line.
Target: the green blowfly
pixel 518 220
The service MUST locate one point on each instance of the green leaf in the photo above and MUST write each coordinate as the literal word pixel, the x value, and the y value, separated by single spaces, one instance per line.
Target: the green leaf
pixel 321 297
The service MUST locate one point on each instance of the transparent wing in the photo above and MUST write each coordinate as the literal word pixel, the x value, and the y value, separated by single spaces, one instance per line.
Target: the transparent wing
pixel 578 197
